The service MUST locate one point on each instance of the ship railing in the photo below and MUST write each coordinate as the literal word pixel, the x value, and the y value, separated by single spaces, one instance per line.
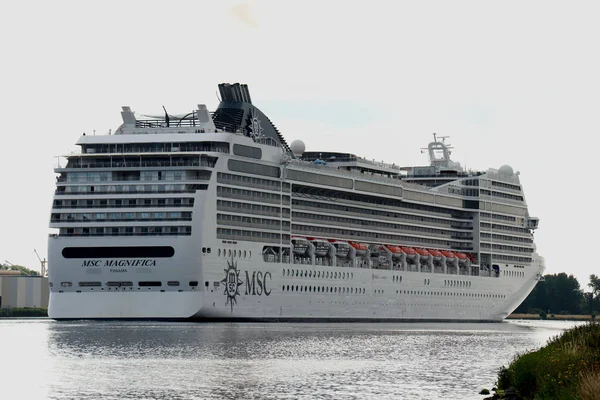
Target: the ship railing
pixel 499 199
pixel 119 164
pixel 122 234
pixel 377 163
pixel 62 193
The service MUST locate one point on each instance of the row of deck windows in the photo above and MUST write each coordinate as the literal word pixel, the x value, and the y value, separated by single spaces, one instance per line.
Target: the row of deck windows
pixel 352 222
pixel 125 203
pixel 318 274
pixel 225 205
pixel 498 216
pixel 118 216
pixel 253 236
pixel 250 195
pixel 506 186
pixel 308 230
pixel 124 284
pixel 128 231
pixel 234 253
pixel 517 274
pixel 261 223
pixel 323 289
pixel 370 213
pixel 239 180
pixel 117 176
pixel 217 147
pixel 511 259
pixel 336 196
pixel 127 189
pixel 501 195
pixel 507 238
pixel 518 229
pixel 353 290
pixel 500 247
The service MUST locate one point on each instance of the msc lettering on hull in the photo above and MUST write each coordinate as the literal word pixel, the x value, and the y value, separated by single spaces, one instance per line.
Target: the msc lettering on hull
pixel 118 263
pixel 257 285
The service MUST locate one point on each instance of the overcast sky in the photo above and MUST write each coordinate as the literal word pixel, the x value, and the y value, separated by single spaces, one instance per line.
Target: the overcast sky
pixel 513 82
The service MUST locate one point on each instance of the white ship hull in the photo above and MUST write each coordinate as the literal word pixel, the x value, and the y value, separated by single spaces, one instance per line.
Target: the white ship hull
pixel 263 291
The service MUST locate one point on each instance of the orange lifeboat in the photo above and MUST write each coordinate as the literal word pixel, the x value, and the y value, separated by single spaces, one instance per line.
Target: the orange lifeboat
pixel 409 251
pixel 395 250
pixel 423 252
pixel 449 255
pixel 361 248
pixel 437 255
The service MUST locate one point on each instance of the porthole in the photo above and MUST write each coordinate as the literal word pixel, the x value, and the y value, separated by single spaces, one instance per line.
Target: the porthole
pixel 249 253
pixel 296 272
pixel 219 253
pixel 229 253
pixel 244 253
pixel 284 272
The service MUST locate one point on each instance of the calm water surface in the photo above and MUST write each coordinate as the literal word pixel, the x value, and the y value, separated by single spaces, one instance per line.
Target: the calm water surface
pixel 44 359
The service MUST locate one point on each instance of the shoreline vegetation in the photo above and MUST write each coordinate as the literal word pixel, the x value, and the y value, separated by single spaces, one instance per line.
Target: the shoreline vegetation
pixel 25 312
pixel 557 317
pixel 567 367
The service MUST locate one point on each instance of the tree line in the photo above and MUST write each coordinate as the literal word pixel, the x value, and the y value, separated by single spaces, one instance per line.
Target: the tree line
pixel 23 270
pixel 562 294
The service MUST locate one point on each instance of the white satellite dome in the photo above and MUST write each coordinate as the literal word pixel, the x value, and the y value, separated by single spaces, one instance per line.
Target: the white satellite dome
pixel 506 170
pixel 298 148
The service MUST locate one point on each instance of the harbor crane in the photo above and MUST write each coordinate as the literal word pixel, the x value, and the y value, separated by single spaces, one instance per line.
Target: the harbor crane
pixel 43 270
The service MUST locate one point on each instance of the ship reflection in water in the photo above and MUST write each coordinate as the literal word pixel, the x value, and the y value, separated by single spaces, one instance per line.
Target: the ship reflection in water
pixel 151 360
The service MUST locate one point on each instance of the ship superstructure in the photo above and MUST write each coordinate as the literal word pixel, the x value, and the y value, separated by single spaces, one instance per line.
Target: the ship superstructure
pixel 214 216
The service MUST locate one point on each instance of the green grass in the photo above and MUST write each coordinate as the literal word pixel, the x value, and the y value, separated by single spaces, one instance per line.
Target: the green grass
pixel 566 368
pixel 23 312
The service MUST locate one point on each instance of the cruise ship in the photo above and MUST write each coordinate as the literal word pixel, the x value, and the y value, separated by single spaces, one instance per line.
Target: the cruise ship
pixel 213 216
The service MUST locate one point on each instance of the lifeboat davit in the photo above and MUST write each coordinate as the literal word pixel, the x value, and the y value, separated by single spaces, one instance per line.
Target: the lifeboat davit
pixel 361 248
pixel 395 250
pixel 450 256
pixel 300 245
pixel 437 255
pixel 410 252
pixel 342 249
pixel 321 246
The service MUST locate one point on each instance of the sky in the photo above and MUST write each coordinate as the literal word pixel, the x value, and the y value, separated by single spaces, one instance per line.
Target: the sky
pixel 509 82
